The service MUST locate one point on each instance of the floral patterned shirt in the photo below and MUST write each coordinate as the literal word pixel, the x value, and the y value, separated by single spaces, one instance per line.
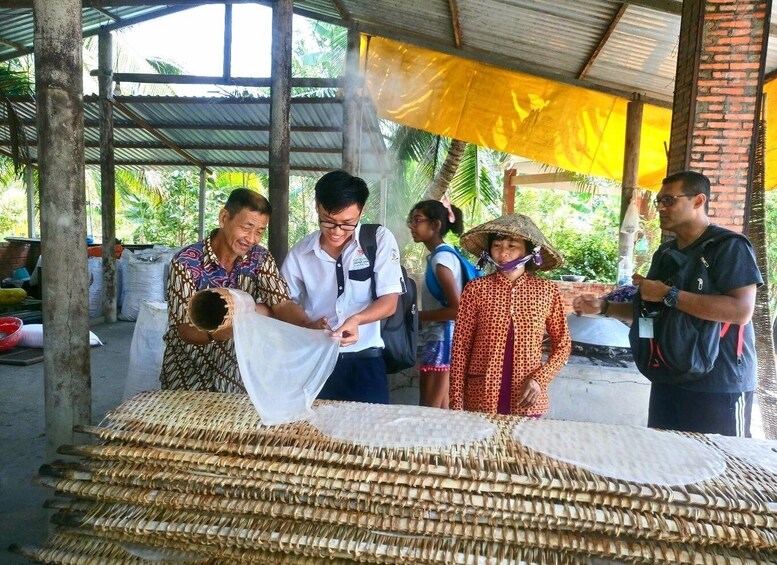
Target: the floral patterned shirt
pixel 212 366
pixel 487 306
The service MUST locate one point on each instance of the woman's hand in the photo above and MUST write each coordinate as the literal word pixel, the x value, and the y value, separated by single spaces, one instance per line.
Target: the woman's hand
pixel 530 392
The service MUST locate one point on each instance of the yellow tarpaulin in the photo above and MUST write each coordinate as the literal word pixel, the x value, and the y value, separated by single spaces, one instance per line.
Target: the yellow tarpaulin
pixel 549 122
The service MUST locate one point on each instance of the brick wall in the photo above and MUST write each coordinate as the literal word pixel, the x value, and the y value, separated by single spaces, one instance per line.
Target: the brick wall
pixel 717 96
pixel 15 254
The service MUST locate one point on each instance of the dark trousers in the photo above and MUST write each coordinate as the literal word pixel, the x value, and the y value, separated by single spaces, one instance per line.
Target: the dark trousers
pixel 357 380
pixel 675 408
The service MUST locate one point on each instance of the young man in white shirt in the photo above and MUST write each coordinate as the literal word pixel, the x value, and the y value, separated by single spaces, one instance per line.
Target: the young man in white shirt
pixel 329 275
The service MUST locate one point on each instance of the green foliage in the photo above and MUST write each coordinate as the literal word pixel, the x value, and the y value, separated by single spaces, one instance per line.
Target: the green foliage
pixel 581 225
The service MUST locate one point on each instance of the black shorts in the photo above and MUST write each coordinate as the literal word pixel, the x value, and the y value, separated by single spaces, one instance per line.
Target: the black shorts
pixel 358 380
pixel 675 408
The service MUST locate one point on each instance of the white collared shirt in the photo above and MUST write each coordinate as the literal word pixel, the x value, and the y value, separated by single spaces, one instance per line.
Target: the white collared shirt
pixel 339 288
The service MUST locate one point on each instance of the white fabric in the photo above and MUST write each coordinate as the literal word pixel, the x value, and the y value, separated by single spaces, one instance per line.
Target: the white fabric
pixel 283 366
pixel 311 275
pixel 627 453
pixel 382 425
pixel 147 349
pixel 32 336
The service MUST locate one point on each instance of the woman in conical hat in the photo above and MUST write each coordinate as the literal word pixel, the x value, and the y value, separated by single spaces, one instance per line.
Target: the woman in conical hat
pixel 496 363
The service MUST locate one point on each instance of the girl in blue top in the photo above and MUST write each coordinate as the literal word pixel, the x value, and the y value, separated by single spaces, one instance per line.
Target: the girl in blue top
pixel 429 221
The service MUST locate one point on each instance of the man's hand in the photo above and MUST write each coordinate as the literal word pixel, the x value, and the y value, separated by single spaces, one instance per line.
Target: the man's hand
pixel 530 392
pixel 320 324
pixel 348 332
pixel 650 290
pixel 587 304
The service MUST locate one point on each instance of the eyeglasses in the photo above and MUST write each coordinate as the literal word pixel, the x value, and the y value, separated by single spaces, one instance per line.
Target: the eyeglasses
pixel 333 225
pixel 668 200
pixel 417 220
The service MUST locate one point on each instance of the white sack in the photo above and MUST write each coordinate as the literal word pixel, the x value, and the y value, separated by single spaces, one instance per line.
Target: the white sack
pixel 144 280
pixel 95 265
pixel 147 349
pixel 32 336
pixel 283 366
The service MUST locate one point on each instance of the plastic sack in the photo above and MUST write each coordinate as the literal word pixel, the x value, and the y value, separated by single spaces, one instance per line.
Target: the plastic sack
pixel 32 336
pixel 283 366
pixel 144 279
pixel 147 349
pixel 631 218
pixel 95 265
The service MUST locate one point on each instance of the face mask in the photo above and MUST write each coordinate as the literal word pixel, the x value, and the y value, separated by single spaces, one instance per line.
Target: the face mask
pixel 485 257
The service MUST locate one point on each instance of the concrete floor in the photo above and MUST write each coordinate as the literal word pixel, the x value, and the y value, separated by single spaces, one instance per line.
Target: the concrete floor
pixel 582 392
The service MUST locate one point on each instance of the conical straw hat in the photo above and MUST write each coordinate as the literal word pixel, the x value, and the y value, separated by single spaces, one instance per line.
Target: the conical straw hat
pixel 512 225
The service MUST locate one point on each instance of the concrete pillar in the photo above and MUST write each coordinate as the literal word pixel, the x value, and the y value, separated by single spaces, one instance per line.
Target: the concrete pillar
pixel 59 94
pixel 718 91
pixel 107 174
pixel 351 105
pixel 29 178
pixel 628 188
pixel 280 128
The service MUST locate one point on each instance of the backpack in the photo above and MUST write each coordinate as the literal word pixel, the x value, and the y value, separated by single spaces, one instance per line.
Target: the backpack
pixel 683 348
pixel 400 330
pixel 468 271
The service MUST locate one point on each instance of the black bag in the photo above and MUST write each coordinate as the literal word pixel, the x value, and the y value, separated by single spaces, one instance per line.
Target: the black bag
pixel 400 330
pixel 683 348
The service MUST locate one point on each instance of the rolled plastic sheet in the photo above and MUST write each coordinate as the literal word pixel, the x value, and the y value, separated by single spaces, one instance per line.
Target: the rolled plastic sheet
pixel 283 366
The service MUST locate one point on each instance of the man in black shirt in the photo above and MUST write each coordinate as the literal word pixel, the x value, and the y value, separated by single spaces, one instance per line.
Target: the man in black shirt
pixel 721 400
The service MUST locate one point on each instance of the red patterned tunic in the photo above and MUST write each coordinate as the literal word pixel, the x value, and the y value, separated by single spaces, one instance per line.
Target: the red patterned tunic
pixel 487 306
pixel 212 366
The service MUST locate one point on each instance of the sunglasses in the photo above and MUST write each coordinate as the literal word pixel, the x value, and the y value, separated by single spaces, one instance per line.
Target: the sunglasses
pixel 668 200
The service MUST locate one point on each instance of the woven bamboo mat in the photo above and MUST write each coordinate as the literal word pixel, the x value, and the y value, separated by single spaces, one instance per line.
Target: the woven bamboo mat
pixel 191 471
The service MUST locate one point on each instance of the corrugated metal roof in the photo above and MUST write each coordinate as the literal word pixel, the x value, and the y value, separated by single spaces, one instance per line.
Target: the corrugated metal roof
pixel 217 133
pixel 632 52
pixel 17 28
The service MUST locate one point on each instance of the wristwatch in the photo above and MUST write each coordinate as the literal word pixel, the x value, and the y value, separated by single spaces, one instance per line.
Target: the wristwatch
pixel 670 299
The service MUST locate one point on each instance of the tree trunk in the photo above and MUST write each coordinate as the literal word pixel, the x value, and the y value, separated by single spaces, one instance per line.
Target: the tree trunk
pixel 445 175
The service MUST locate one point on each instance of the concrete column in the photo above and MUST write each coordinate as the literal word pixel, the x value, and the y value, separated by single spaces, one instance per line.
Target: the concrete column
pixel 201 220
pixel 59 94
pixel 629 186
pixel 107 174
pixel 29 178
pixel 280 128
pixel 718 91
pixel 351 105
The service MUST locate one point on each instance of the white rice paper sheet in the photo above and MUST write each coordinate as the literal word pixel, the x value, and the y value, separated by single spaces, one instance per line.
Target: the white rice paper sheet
pixel 283 366
pixel 398 426
pixel 627 453
pixel 758 452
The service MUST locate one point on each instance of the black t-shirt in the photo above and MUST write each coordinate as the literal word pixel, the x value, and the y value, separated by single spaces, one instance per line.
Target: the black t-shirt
pixel 731 265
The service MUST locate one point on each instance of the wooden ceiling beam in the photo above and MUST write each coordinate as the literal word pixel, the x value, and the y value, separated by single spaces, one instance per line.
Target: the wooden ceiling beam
pixel 666 6
pixel 602 41
pixel 453 7
pixel 108 14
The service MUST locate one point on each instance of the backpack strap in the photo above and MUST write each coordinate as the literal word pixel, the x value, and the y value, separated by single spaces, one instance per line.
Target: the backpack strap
pixel 369 243
pixel 740 339
pixel 431 278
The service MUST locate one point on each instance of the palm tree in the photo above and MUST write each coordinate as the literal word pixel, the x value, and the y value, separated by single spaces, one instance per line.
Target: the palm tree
pixel 15 81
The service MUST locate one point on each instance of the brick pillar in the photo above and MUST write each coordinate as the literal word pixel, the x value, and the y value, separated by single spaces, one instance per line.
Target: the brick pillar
pixel 717 98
